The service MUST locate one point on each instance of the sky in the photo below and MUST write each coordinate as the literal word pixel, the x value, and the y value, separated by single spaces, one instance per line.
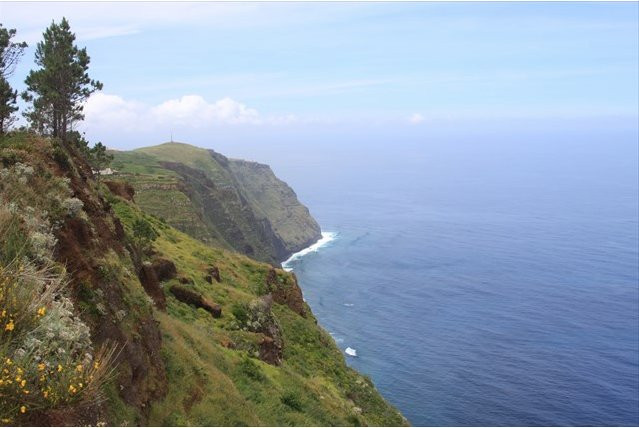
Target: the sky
pixel 238 72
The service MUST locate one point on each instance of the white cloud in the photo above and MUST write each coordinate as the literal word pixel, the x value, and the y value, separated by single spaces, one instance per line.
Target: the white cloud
pixel 416 118
pixel 104 111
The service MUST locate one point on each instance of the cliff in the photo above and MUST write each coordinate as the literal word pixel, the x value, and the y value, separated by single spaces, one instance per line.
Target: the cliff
pixel 112 316
pixel 231 203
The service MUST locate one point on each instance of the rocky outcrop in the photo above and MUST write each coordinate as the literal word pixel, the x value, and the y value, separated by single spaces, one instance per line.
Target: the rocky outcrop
pixel 120 188
pixel 262 321
pixel 84 242
pixel 150 281
pixel 164 269
pixel 191 297
pixel 213 274
pixel 286 291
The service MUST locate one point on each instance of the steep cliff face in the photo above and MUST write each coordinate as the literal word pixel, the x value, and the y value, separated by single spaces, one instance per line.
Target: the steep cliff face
pixel 231 203
pixel 202 335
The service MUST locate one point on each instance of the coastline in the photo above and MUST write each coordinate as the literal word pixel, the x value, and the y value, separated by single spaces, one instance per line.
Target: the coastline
pixel 326 238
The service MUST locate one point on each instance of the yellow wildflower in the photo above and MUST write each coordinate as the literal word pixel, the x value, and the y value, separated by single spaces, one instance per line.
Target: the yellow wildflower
pixel 20 371
pixel 23 383
pixel 8 361
pixel 41 366
pixel 23 409
pixel 42 311
pixel 96 365
pixel 9 326
pixel 78 368
pixel 59 368
pixel 26 391
pixel 6 420
pixel 45 394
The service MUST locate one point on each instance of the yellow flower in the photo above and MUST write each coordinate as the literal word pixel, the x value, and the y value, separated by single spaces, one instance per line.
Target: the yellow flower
pixel 45 394
pixel 6 420
pixel 23 409
pixel 10 326
pixel 59 368
pixel 26 391
pixel 78 368
pixel 4 313
pixel 23 383
pixel 41 366
pixel 80 385
pixel 42 311
pixel 8 361
pixel 20 371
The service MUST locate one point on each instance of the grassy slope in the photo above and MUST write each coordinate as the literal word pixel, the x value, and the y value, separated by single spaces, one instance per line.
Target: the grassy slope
pixel 249 194
pixel 210 384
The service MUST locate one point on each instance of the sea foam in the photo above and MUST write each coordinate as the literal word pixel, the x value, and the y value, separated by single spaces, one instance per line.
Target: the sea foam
pixel 350 351
pixel 325 239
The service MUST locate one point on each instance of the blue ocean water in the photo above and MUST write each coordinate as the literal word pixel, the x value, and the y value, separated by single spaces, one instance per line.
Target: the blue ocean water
pixel 483 279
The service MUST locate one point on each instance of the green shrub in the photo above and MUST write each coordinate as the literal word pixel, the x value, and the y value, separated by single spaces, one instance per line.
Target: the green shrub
pixel 241 313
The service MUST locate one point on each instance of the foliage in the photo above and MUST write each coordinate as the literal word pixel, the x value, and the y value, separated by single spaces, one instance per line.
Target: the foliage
pixel 99 159
pixel 60 86
pixel 143 233
pixel 10 53
pixel 46 356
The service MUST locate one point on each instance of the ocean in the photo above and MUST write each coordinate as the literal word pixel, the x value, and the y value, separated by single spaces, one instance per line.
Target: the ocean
pixel 481 278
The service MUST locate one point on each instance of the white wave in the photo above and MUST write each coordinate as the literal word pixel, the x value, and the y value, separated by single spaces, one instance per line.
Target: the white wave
pixel 349 304
pixel 325 239
pixel 350 351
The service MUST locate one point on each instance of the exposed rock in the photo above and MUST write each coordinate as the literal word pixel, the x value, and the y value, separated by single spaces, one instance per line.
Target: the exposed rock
pixel 214 272
pixel 164 269
pixel 82 241
pixel 149 280
pixel 261 320
pixel 120 188
pixel 194 298
pixel 271 351
pixel 286 292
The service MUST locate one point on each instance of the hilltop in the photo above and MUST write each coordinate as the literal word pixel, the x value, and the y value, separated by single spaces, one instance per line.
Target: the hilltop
pixel 230 203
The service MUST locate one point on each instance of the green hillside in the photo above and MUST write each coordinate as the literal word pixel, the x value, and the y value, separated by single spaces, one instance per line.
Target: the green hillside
pixel 225 202
pixel 167 329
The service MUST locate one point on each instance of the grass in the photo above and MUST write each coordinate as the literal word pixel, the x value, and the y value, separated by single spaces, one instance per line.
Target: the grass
pixel 213 373
pixel 210 383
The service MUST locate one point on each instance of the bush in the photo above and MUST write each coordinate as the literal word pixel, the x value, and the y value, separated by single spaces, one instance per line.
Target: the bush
pixel 46 357
pixel 241 314
pixel 143 234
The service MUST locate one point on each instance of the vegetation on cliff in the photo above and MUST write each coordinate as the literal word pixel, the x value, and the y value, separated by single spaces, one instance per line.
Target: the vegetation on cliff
pixel 226 202
pixel 110 315
pixel 263 360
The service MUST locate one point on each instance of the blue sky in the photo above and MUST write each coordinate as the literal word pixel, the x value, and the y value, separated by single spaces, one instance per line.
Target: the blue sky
pixel 263 70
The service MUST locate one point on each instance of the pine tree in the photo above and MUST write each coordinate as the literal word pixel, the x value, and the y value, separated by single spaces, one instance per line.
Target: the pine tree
pixel 59 88
pixel 10 53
